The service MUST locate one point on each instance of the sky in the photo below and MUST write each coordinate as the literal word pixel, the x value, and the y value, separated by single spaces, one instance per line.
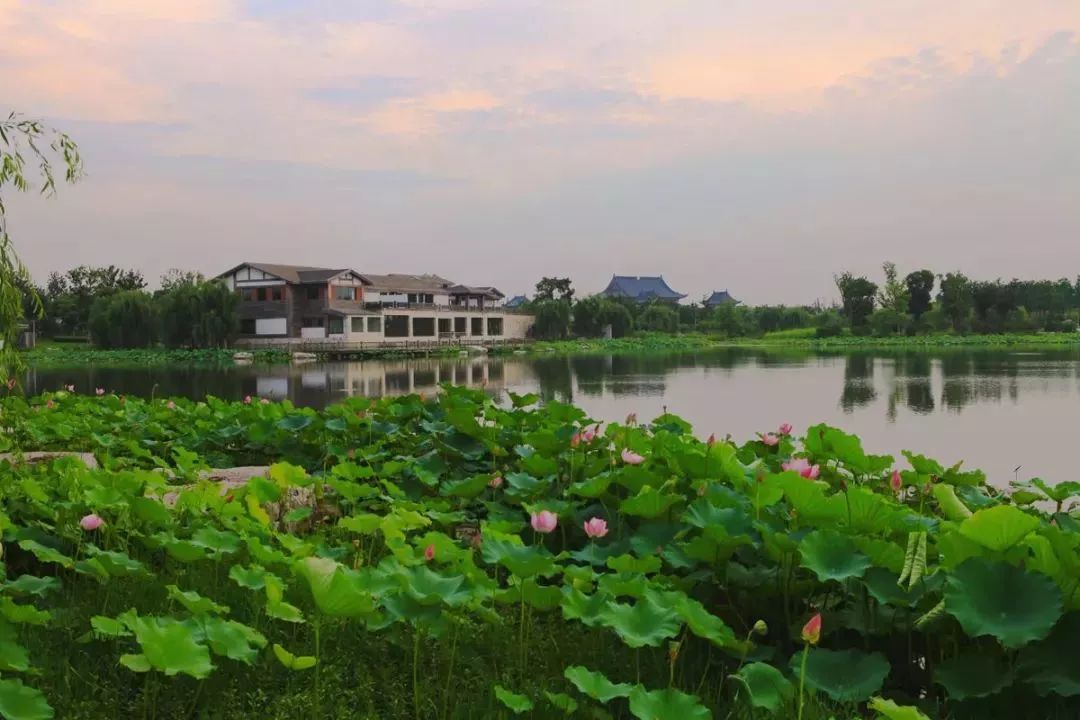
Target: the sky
pixel 758 146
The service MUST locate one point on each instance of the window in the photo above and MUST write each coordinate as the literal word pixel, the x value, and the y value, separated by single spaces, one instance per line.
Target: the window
pixel 277 294
pixel 413 298
pixel 247 294
pixel 495 326
pixel 356 325
pixel 397 326
pixel 314 292
pixel 313 322
pixel 460 325
pixel 374 324
pixel 335 325
pixel 444 326
pixel 423 327
pixel 342 292
pixel 247 326
pixel 477 326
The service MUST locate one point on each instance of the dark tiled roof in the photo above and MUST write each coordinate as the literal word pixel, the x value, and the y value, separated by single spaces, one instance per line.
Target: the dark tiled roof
pixel 486 291
pixel 641 289
pixel 295 274
pixel 720 297
pixel 407 283
pixel 516 301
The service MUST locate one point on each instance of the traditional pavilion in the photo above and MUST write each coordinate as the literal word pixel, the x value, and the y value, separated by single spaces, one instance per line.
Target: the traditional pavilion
pixel 642 289
pixel 720 297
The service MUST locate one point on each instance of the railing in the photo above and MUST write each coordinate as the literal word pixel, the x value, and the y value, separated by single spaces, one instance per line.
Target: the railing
pixel 345 346
pixel 445 308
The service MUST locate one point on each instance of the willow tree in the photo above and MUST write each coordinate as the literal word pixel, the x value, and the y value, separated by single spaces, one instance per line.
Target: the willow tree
pixel 29 152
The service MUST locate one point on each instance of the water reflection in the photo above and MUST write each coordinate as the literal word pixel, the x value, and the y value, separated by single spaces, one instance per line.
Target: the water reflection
pixel 1012 407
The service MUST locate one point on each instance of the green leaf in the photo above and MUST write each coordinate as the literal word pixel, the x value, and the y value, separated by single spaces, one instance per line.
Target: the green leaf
pixel 170 647
pixel 891 711
pixel 596 685
pixel 31 585
pixel 629 563
pixel 13 656
pixel 562 701
pixel 252 578
pixel 832 556
pixel 951 506
pixel 649 503
pixel 338 591
pixel 195 603
pixel 993 598
pixel 297 515
pixel 973 674
pixel 998 528
pixel 136 663
pixel 517 703
pixel 19 702
pixel 576 605
pixel 1052 666
pixel 294 662
pixel 518 559
pixel 46 554
pixel 233 640
pixel 116 564
pixel 645 623
pixel 221 542
pixel 667 703
pixel 843 675
pixel 706 625
pixel 768 687
pixel 109 627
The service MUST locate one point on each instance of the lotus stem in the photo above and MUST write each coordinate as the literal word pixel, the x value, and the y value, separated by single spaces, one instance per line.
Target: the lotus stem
pixel 802 678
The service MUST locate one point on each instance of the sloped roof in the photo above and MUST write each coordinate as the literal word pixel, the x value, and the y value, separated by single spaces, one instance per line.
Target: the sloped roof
pixel 516 301
pixel 401 282
pixel 295 274
pixel 719 297
pixel 486 291
pixel 641 288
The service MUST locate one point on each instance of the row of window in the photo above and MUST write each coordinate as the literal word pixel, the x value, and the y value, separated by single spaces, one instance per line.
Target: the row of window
pixel 396 325
pixel 276 293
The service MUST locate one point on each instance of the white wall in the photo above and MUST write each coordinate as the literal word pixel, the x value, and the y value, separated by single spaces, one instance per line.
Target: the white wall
pixel 270 326
pixel 313 333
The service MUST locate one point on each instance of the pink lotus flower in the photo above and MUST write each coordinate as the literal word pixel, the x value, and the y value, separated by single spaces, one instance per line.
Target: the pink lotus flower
pixel 91 522
pixel 785 429
pixel 811 632
pixel 50 404
pixel 171 405
pixel 70 388
pixel 429 553
pixel 631 458
pixel 803 467
pixel 544 521
pixel 264 401
pixel 896 482
pixel 496 482
pixel 596 527
pixel 11 383
pixel 770 439
pixel 247 399
pixel 589 434
pixel 99 392
pixel 575 440
pixel 711 441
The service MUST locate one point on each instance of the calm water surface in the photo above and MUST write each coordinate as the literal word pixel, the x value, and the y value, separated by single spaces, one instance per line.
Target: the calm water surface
pixel 995 409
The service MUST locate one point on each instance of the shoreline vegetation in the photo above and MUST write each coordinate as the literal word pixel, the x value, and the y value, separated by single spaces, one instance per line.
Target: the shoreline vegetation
pixel 446 557
pixel 60 355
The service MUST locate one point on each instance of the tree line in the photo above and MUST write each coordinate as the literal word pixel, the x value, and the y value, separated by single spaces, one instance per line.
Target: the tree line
pixel 112 308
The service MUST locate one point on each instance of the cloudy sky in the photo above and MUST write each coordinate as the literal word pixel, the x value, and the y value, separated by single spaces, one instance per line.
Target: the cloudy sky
pixel 754 145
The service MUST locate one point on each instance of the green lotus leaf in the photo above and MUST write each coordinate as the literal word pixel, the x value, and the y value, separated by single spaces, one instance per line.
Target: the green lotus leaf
pixel 630 564
pixel 151 512
pixel 832 556
pixel 338 591
pixel 993 598
pixel 294 662
pixel 520 560
pixel 468 487
pixel 184 550
pixel 891 711
pixel 1060 492
pixel 882 553
pixel 524 486
pixel 46 554
pixel 31 585
pixel 998 528
pixel 649 503
pixel 22 614
pixel 973 674
pixel 592 487
pixel 365 524
pixel 596 685
pixel 623 585
pixel 109 627
pixel 645 623
pixel 667 703
pixel 727 521
pixel 576 605
pixel 13 656
pixel 195 603
pixel 297 515
pixel 19 702
pixel 562 701
pixel 517 703
pixel 768 687
pixel 1052 666
pixel 170 647
pixel 706 625
pixel 540 597
pixel 843 675
pixel 593 554
pixel 882 584
pixel 136 662
pixel 233 640
pixel 116 564
pixel 432 588
pixel 252 578
pixel 952 507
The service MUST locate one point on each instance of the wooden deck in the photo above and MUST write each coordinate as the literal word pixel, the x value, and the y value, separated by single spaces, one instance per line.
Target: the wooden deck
pixel 345 350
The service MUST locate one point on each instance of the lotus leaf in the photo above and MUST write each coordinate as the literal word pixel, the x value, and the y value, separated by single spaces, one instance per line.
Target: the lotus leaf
pixel 993 598
pixel 31 585
pixel 998 528
pixel 294 662
pixel 1052 666
pixel 19 702
pixel 517 703
pixel 596 685
pixel 768 687
pixel 667 703
pixel 338 591
pixel 891 711
pixel 973 675
pixel 233 640
pixel 562 701
pixel 170 647
pixel 649 503
pixel 843 675
pixel 195 603
pixel 832 556
pixel 645 623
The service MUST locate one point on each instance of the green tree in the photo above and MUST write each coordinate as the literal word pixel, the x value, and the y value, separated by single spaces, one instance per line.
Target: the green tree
pixel 197 314
pixel 857 298
pixel 550 288
pixel 894 295
pixel 125 319
pixel 659 318
pixel 175 277
pixel 920 286
pixel 552 319
pixel 22 139
pixel 593 314
pixel 955 298
pixel 69 297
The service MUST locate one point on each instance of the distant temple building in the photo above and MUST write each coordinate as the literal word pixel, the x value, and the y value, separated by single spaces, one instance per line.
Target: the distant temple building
pixel 721 297
pixel 641 289
pixel 516 301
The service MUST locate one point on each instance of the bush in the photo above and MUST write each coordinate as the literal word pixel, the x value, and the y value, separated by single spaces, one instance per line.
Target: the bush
pixel 552 319
pixel 830 324
pixel 659 318
pixel 884 323
pixel 123 320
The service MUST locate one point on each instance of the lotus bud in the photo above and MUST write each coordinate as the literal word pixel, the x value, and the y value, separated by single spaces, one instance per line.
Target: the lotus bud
pixel 760 628
pixel 811 632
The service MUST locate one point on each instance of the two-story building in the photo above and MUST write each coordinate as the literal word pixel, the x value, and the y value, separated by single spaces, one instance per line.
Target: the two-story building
pixel 281 302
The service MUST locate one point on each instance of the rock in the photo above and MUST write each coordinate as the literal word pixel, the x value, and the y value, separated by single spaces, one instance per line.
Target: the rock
pixel 35 457
pixel 243 357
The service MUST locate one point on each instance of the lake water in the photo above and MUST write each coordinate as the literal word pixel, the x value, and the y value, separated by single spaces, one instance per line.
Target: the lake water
pixel 995 409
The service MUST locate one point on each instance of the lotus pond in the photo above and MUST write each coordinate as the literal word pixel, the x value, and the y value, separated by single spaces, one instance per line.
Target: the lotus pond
pixel 450 557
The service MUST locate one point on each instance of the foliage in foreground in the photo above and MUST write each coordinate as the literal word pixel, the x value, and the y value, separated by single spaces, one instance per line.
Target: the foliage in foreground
pixel 404 578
